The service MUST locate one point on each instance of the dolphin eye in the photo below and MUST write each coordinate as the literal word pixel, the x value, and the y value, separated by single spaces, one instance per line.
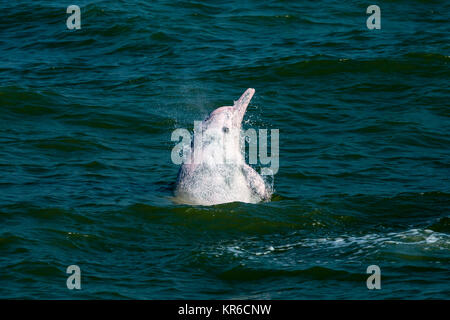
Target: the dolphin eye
pixel 225 129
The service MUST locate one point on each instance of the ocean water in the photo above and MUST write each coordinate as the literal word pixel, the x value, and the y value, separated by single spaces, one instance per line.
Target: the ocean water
pixel 86 176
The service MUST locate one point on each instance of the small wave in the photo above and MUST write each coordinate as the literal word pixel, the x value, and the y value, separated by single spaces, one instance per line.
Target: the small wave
pixel 429 57
pixel 283 253
pixel 68 144
pixel 425 238
pixel 27 101
pixel 243 273
pixel 442 225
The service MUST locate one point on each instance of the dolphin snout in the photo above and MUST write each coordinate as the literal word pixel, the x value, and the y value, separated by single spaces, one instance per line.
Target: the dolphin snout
pixel 242 104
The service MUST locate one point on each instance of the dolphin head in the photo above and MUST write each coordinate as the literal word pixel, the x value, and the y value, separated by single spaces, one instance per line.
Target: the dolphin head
pixel 230 117
pixel 221 131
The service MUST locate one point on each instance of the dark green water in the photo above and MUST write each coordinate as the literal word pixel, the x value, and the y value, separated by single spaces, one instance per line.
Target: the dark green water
pixel 86 177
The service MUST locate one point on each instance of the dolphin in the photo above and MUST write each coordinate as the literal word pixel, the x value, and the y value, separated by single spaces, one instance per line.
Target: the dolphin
pixel 215 171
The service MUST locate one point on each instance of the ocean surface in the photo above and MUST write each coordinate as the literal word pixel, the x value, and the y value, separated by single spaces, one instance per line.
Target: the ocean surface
pixel 86 176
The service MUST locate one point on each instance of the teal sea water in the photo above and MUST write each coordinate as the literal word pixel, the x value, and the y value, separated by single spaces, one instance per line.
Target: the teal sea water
pixel 86 177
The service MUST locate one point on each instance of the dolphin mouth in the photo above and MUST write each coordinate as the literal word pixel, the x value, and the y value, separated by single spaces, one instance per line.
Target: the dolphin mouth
pixel 242 104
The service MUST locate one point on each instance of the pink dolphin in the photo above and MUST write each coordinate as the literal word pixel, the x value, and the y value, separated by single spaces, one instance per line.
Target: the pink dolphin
pixel 216 171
